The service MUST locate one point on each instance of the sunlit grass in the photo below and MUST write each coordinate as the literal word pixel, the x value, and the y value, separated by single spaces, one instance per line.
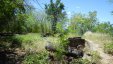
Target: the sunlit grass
pixel 105 40
pixel 73 35
pixel 98 37
pixel 33 42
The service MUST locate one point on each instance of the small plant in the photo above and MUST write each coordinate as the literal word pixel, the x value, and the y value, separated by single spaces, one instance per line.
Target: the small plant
pixel 63 44
pixel 108 48
pixel 95 57
pixel 85 61
pixel 80 61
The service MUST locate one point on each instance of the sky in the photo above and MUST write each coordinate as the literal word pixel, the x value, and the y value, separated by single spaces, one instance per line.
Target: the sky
pixel 103 7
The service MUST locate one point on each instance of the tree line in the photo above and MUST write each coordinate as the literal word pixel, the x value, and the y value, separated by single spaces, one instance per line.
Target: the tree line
pixel 18 17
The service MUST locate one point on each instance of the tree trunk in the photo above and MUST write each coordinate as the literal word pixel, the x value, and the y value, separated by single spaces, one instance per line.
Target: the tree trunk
pixel 54 23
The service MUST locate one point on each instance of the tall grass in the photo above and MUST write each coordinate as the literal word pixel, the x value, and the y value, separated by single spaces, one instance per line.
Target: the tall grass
pixel 37 22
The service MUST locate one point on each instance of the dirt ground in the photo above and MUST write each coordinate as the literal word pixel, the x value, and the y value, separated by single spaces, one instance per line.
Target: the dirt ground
pixel 105 58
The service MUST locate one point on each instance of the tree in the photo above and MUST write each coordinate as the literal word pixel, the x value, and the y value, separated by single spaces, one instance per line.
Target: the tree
pixel 12 15
pixel 81 22
pixel 105 27
pixel 92 20
pixel 55 13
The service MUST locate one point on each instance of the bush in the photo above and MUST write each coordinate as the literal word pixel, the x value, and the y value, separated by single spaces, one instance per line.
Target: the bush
pixel 62 45
pixel 108 48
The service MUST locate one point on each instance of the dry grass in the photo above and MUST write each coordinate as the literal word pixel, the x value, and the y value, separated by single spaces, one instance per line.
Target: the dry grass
pixel 98 37
pixel 104 42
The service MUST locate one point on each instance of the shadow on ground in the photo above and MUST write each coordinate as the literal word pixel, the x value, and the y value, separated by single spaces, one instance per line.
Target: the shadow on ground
pixel 10 52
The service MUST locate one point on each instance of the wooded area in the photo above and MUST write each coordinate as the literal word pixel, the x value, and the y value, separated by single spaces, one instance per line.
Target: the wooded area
pixel 24 32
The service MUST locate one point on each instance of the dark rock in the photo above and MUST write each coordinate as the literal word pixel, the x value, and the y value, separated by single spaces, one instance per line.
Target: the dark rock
pixel 75 41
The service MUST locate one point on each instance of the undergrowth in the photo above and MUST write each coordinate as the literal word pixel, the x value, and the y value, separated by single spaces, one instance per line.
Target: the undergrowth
pixel 36 58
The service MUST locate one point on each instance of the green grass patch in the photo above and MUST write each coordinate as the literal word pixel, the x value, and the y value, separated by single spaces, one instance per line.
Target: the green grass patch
pixel 33 42
pixel 27 37
pixel 30 42
pixel 35 58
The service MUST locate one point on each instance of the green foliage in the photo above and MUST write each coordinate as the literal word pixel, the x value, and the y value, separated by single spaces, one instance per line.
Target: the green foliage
pixel 108 48
pixel 22 41
pixel 36 58
pixel 16 18
pixel 62 45
pixel 37 23
pixel 31 23
pixel 81 23
pixel 45 26
pixel 28 37
pixel 11 13
pixel 85 61
pixel 62 26
pixel 105 27
pixel 55 13
pixel 20 26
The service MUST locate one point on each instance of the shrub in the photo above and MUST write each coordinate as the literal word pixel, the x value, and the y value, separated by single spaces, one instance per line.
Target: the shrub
pixel 108 48
pixel 62 45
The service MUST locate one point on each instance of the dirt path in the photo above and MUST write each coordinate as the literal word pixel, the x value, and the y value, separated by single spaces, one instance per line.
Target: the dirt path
pixel 105 58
